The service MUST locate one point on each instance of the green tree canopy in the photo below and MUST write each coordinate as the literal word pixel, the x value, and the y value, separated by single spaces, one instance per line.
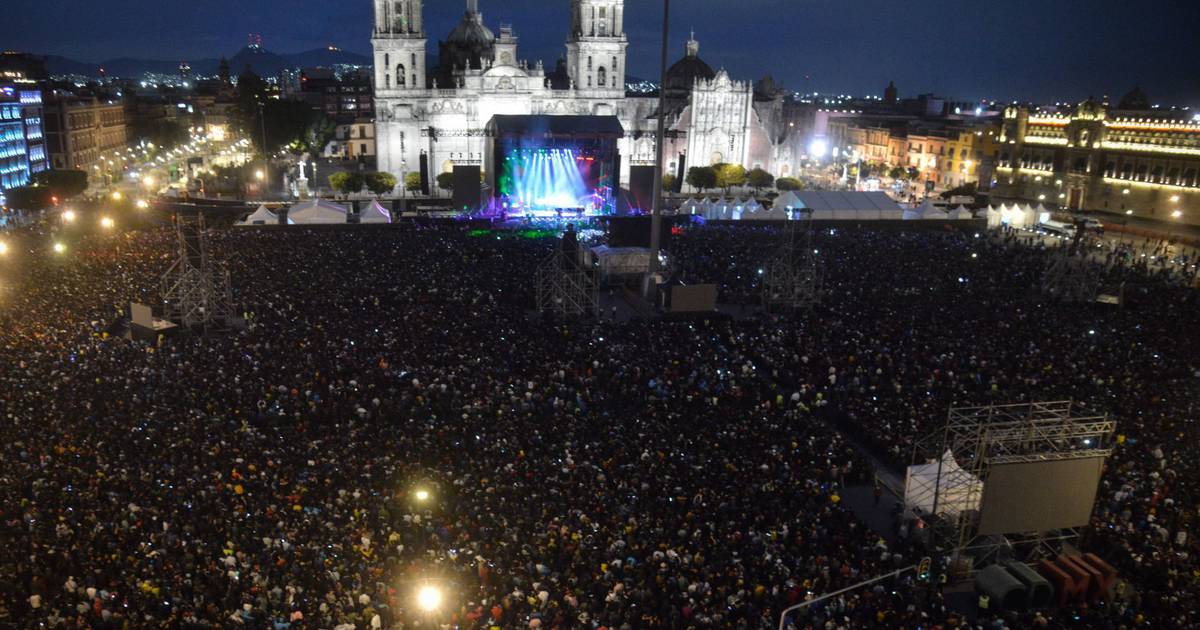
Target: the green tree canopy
pixel 28 197
pixel 702 177
pixel 789 183
pixel 445 181
pixel 346 182
pixel 412 181
pixel 63 184
pixel 730 175
pixel 383 183
pixel 758 179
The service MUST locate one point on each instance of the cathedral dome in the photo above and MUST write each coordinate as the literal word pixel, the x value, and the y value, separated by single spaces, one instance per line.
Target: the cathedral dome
pixel 682 76
pixel 471 34
pixel 1136 99
pixel 471 45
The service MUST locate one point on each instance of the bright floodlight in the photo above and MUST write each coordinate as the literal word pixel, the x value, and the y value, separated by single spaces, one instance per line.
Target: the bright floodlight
pixel 69 216
pixel 107 223
pixel 59 248
pixel 3 248
pixel 1177 213
pixel 116 195
pixel 429 598
pixel 818 148
pixel 142 204
pixel 259 175
pixel 422 495
pixel 148 181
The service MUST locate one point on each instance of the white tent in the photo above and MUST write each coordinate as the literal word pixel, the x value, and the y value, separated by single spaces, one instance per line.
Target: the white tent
pixel 955 489
pixel 262 216
pixel 1015 216
pixel 787 200
pixel 375 213
pixel 692 206
pixel 752 210
pixel 961 214
pixel 913 214
pixel 775 213
pixel 317 212
pixel 932 212
pixel 993 217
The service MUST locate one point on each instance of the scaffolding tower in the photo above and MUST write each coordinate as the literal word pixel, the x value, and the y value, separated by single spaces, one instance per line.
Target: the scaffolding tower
pixel 196 290
pixel 793 277
pixel 567 288
pixel 973 440
pixel 1071 278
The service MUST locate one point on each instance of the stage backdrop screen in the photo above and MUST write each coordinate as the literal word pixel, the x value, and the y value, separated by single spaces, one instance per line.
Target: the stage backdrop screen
pixel 1039 496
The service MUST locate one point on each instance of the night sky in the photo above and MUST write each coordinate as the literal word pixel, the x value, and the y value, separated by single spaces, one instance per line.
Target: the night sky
pixel 1005 49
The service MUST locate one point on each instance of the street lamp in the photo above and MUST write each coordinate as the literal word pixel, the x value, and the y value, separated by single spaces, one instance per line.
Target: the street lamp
pixel 116 195
pixel 69 216
pixel 107 223
pixel 421 495
pixel 59 248
pixel 3 248
pixel 429 598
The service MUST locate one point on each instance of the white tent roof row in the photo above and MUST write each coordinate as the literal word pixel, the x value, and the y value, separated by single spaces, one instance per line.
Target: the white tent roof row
pixel 1015 216
pixel 317 212
pixel 375 213
pixel 956 490
pixel 262 216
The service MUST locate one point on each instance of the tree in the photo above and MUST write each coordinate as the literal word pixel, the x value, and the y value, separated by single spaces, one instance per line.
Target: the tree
pixel 789 183
pixel 668 182
pixel 913 172
pixel 28 197
pixel 346 182
pixel 62 184
pixel 412 182
pixel 445 181
pixel 702 177
pixel 730 175
pixel 970 189
pixel 759 179
pixel 898 173
pixel 383 183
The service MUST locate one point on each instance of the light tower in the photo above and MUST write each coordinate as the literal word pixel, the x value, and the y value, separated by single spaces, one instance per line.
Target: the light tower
pixel 596 48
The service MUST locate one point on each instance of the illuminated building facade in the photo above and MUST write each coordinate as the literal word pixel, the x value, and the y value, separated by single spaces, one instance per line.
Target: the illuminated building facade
pixel 22 142
pixel 1137 162
pixel 86 134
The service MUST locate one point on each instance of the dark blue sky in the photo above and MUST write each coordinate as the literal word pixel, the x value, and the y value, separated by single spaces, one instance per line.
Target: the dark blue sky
pixel 1005 49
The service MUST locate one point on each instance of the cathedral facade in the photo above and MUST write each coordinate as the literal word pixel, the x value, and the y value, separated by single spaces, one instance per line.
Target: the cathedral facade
pixel 440 113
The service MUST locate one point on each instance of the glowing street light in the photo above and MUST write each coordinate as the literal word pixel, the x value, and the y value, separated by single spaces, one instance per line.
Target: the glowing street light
pixel 1177 214
pixel 107 223
pixel 69 216
pixel 259 175
pixel 1130 211
pixel 429 598
pixel 422 495
pixel 116 195
pixel 148 181
pixel 142 204
pixel 59 248
pixel 3 248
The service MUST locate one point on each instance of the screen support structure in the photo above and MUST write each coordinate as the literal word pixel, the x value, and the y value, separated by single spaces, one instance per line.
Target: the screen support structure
pixel 566 288
pixel 792 280
pixel 1070 278
pixel 981 437
pixel 195 290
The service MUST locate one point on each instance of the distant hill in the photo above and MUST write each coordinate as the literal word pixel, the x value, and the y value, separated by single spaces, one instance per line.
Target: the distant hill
pixel 262 61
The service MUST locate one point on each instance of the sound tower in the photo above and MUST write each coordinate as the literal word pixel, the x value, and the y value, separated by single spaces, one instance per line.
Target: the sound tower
pixel 680 171
pixel 641 186
pixel 425 174
pixel 467 188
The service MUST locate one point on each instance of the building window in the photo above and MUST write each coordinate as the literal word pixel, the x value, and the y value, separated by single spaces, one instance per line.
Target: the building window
pixel 589 63
pixel 602 75
pixel 400 75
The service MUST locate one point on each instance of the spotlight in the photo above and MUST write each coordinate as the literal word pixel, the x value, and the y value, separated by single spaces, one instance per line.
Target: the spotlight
pixel 3 248
pixel 69 216
pixel 429 598
pixel 59 248
pixel 107 223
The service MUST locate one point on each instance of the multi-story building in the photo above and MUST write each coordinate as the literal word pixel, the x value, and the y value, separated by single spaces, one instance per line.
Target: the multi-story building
pixel 1138 162
pixel 970 156
pixel 22 142
pixel 86 133
pixel 353 141
pixel 348 97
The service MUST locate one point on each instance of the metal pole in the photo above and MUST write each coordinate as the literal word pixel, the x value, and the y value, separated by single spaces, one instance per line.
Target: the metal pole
pixel 894 574
pixel 656 216
pixel 262 120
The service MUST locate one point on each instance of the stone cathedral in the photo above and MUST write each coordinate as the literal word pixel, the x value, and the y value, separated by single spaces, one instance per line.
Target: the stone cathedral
pixel 442 111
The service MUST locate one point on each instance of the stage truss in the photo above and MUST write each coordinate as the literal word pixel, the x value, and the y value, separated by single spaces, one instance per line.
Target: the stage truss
pixel 195 290
pixel 793 278
pixel 981 437
pixel 1071 278
pixel 567 288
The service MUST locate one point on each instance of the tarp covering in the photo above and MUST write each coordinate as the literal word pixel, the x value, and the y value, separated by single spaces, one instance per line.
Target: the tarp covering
pixel 317 212
pixel 375 213
pixel 262 216
pixel 957 491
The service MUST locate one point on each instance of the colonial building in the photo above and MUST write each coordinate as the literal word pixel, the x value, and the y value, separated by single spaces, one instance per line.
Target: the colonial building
pixel 1129 160
pixel 85 133
pixel 439 115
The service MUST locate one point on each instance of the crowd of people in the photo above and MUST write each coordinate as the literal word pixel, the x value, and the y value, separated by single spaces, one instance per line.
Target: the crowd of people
pixel 394 417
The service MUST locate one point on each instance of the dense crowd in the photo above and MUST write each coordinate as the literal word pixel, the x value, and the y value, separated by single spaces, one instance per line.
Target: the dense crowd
pixel 578 475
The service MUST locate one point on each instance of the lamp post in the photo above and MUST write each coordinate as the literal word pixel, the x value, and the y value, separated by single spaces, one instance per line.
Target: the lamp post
pixel 659 136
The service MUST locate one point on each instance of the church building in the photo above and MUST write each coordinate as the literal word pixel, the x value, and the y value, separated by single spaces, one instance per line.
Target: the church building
pixel 440 114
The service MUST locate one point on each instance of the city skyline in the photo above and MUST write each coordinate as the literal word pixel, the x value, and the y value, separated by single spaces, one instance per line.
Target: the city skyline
pixel 1023 50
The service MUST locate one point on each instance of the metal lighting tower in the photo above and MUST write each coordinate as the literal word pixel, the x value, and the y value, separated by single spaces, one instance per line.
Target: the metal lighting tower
pixel 196 292
pixel 792 278
pixel 659 138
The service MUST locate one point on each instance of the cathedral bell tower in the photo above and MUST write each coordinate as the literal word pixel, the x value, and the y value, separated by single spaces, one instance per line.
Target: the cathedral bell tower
pixel 596 48
pixel 399 44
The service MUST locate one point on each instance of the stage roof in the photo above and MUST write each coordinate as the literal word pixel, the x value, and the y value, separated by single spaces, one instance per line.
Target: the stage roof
pixel 542 126
pixel 835 200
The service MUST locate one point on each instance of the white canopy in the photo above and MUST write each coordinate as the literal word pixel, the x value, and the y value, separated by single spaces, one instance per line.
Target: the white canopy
pixel 961 213
pixel 787 200
pixel 375 213
pixel 912 214
pixel 317 212
pixel 262 216
pixel 1016 216
pixel 956 490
